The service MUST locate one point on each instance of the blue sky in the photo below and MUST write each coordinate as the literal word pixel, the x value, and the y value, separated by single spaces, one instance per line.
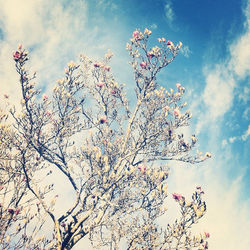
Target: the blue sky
pixel 214 67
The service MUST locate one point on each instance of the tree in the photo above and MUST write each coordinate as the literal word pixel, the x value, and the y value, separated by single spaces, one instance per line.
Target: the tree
pixel 112 155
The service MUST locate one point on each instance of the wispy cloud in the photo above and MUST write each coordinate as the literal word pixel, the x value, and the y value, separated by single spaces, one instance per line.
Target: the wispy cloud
pixel 227 210
pixel 223 78
pixel 244 95
pixel 218 94
pixel 169 12
pixel 246 134
pixel 186 51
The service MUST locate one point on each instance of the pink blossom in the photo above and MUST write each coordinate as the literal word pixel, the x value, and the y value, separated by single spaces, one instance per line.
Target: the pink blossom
pixel 24 78
pixel 20 46
pixel 107 68
pixel 45 97
pixel 17 211
pixel 198 187
pixel 205 245
pixel 6 96
pixel 169 43
pixel 136 35
pixel 177 197
pixel 178 85
pixel 151 54
pixel 113 92
pixel 167 108
pixel 143 65
pixel 48 113
pixel 97 65
pixel 1 187
pixel 207 235
pixel 142 168
pixel 100 84
pixel 103 119
pixel 16 55
pixel 11 211
pixel 176 112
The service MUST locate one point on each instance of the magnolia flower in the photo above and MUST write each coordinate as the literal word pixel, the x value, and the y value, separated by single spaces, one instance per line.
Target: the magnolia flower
pixel 48 113
pixel 103 119
pixel 11 211
pixel 137 35
pixel 7 239
pixel 169 43
pixel 177 197
pixel 143 65
pixel 142 168
pixel 151 54
pixel 167 108
pixel 156 50
pixel 109 54
pixel 128 46
pixel 107 68
pixel 147 32
pixel 194 139
pixel 100 84
pixel 205 245
pixel 208 155
pixel 176 112
pixel 198 213
pixel 178 85
pixel 161 40
pixel 207 235
pixel 16 55
pixel 45 97
pixel 71 64
pixel 17 211
pixel 97 65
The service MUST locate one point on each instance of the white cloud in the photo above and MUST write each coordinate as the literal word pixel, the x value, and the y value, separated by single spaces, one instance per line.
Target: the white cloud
pixel 186 51
pixel 45 27
pixel 54 33
pixel 244 95
pixel 218 93
pixel 246 113
pixel 232 139
pixel 224 143
pixel 240 53
pixel 222 79
pixel 246 134
pixel 169 12
pixel 153 26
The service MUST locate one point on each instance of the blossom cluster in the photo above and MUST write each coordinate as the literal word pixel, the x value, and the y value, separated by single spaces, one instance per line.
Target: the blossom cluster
pixel 114 155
